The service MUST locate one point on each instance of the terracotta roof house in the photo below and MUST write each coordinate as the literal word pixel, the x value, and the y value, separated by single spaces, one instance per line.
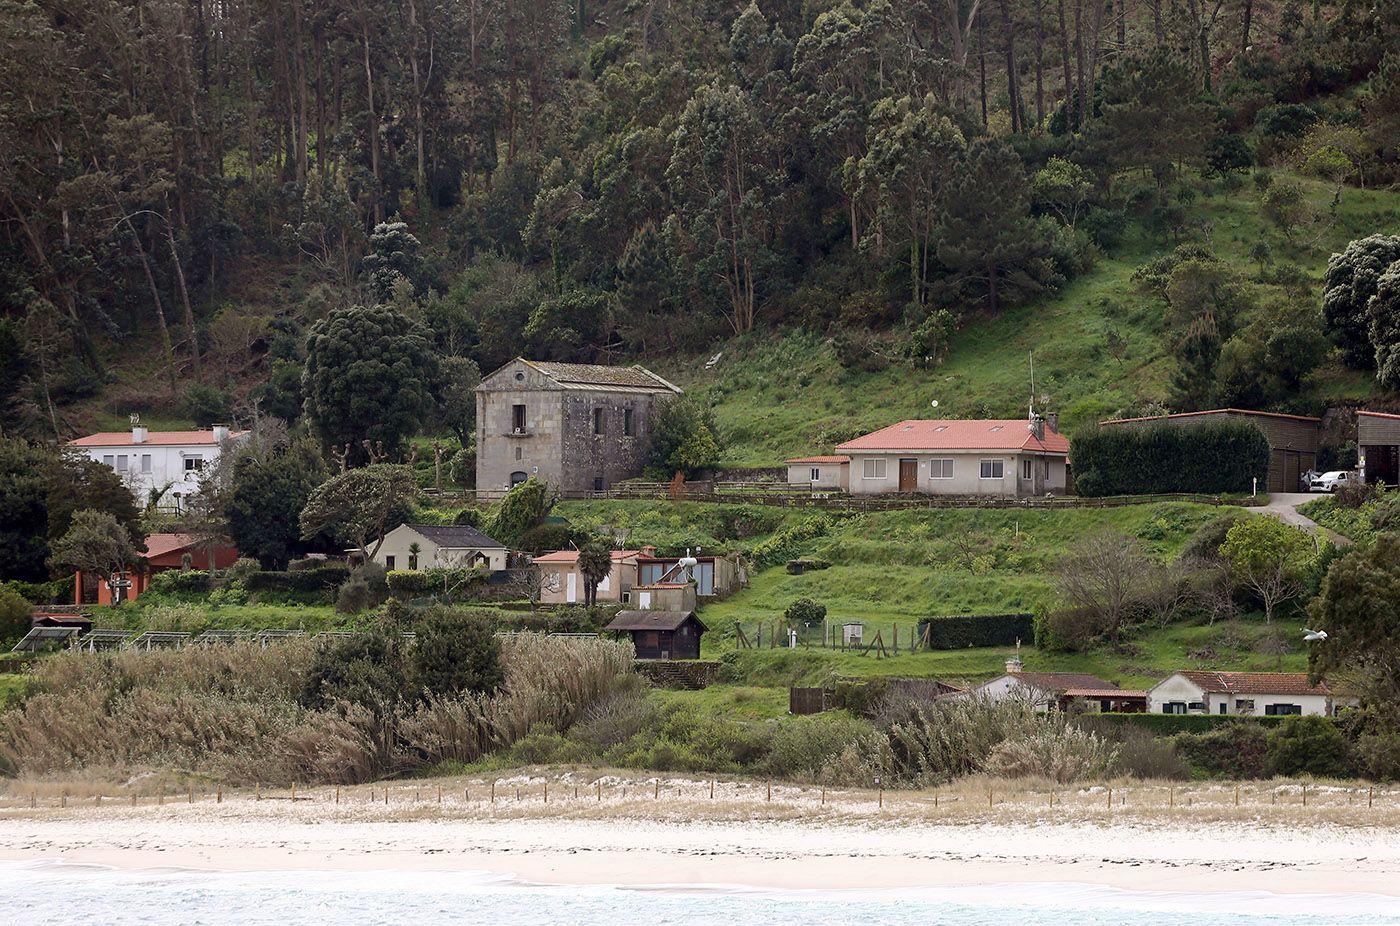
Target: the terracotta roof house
pixel 562 582
pixel 830 472
pixel 580 427
pixel 1242 693
pixel 1293 439
pixel 163 552
pixel 439 546
pixel 1060 691
pixel 168 463
pixel 1006 457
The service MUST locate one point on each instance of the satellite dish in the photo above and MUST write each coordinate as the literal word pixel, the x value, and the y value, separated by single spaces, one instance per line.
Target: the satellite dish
pixel 934 403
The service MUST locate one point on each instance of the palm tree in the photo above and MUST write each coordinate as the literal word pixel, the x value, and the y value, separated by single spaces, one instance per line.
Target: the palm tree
pixel 595 562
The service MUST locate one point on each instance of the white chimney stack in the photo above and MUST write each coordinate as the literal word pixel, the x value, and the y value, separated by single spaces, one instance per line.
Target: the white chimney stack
pixel 1013 665
pixel 139 434
pixel 220 433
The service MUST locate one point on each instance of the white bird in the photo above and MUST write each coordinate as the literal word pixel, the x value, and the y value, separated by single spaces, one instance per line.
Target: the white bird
pixel 1314 636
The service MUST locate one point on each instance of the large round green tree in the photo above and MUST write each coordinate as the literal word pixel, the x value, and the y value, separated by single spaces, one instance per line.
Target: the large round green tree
pixel 264 503
pixel 1351 280
pixel 371 374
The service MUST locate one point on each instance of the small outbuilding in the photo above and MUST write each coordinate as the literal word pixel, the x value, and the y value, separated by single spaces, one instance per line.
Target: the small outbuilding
pixel 1378 439
pixel 661 634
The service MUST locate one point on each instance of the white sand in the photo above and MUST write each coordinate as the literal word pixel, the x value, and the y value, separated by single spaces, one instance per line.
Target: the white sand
pixel 648 848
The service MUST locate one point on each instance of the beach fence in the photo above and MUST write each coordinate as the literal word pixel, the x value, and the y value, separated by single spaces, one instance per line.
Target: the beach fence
pixel 615 796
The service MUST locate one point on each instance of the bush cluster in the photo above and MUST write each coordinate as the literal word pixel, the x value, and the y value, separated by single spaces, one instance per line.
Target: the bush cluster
pixel 962 631
pixel 787 543
pixel 1215 457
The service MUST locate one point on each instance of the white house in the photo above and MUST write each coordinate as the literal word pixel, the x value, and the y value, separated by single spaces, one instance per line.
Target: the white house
pixel 1270 694
pixel 830 473
pixel 168 463
pixel 439 546
pixel 1047 691
pixel 961 457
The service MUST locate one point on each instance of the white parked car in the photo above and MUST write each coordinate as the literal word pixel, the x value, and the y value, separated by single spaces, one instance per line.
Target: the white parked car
pixel 1328 482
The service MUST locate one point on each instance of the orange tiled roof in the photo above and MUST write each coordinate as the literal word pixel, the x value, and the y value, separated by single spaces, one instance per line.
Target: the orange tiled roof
pixel 954 434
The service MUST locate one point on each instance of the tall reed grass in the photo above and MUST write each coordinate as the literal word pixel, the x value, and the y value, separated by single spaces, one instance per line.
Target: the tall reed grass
pixel 231 712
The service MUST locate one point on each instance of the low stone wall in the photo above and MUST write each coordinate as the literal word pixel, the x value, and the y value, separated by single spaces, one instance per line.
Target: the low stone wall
pixel 689 674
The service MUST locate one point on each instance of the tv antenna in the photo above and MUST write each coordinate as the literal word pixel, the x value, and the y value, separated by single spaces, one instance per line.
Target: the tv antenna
pixel 1031 407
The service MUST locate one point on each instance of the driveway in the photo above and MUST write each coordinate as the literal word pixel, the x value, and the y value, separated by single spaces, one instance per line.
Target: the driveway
pixel 1284 506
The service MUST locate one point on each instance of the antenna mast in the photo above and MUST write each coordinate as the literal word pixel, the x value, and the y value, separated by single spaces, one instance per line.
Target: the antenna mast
pixel 1031 407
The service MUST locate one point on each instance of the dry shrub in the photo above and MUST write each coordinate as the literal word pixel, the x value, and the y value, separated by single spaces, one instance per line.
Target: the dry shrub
pixel 1062 754
pixel 232 712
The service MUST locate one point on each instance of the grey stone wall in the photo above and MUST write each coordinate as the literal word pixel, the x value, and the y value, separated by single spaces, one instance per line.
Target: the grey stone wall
pixel 559 445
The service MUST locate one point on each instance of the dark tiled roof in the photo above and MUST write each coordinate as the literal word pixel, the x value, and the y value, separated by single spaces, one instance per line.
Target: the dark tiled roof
pixel 593 374
pixel 651 620
pixel 1215 411
pixel 456 536
pixel 1064 681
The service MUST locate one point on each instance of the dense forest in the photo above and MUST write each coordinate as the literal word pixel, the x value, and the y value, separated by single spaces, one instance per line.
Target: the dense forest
pixel 188 188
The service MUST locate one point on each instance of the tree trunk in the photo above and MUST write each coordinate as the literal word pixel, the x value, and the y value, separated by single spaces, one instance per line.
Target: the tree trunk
pixel 185 296
pixel 1094 50
pixel 165 341
pixel 1039 66
pixel 1069 96
pixel 1013 80
pixel 373 121
pixel 1079 62
pixel 982 67
pixel 1248 15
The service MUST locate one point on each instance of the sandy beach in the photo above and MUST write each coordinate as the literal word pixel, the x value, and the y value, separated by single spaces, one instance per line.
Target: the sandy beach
pixel 639 832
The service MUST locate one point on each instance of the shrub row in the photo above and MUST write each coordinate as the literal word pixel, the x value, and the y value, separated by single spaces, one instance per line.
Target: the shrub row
pixel 1169 724
pixel 302 580
pixel 962 631
pixel 413 583
pixel 787 543
pixel 1222 456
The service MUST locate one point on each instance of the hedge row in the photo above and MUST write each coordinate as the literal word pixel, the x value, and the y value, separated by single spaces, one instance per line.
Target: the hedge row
pixel 412 583
pixel 962 631
pixel 300 580
pixel 1169 724
pixel 1215 457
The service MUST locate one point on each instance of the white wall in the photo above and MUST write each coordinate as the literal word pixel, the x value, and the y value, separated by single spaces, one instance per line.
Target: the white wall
pixel 1178 688
pixel 966 477
pixel 829 475
pixel 1010 688
pixel 144 467
pixel 430 556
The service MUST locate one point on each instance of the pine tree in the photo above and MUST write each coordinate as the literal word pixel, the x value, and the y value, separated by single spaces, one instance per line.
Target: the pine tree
pixel 986 239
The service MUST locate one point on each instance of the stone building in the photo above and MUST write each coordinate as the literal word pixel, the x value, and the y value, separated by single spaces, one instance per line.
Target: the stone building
pixel 579 427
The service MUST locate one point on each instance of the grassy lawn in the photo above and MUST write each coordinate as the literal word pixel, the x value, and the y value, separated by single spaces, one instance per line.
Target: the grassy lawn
pixel 782 394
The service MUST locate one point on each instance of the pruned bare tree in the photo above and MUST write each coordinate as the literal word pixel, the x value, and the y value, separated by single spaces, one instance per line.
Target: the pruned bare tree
pixel 1104 575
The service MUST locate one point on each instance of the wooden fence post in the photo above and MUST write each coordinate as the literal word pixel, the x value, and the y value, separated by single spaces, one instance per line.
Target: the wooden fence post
pixel 712 789
pixel 493 790
pixel 337 795
pixel 546 790
pixel 600 790
pixel 656 791
pixel 823 795
pixel 219 795
pixel 770 789
pixel 294 792
pixel 191 795
pixel 257 790
pixel 1370 795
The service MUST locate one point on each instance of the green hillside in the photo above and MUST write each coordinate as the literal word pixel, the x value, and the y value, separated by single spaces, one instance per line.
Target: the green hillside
pixel 786 393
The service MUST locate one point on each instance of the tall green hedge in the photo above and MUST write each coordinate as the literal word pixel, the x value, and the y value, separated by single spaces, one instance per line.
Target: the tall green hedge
pixel 1221 456
pixel 1169 724
pixel 962 631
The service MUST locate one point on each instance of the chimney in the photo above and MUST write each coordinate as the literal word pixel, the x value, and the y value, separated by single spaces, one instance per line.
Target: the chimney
pixel 648 550
pixel 220 433
pixel 1037 427
pixel 1013 665
pixel 1053 419
pixel 138 433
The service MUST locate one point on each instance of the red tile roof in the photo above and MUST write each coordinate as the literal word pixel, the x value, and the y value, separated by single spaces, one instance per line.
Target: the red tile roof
pixel 827 459
pixel 571 556
pixel 1280 683
pixel 1215 411
pixel 153 439
pixel 161 544
pixel 952 434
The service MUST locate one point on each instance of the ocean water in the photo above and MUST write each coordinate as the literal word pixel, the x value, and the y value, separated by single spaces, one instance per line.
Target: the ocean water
pixel 52 893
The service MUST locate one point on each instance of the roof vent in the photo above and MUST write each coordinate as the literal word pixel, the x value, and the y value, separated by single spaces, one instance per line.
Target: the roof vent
pixel 941 427
pixel 996 427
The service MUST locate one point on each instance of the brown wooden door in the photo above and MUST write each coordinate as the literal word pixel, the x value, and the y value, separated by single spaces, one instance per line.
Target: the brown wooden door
pixel 908 475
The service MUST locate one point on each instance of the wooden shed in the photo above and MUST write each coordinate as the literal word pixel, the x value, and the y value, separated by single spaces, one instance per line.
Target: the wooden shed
pixel 661 634
pixel 1293 439
pixel 1378 439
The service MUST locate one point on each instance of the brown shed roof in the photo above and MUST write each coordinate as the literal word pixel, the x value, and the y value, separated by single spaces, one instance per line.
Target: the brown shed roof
pixel 652 620
pixel 833 458
pixel 1216 411
pixel 1281 683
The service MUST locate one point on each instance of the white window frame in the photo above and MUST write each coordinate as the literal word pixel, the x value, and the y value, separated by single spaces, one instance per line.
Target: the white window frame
pixel 123 462
pixel 943 469
pixel 816 474
pixel 996 466
pixel 146 463
pixel 110 460
pixel 1026 468
pixel 874 468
